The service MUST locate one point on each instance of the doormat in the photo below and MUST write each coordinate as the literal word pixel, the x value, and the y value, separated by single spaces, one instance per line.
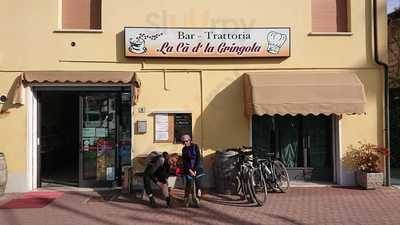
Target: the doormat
pixel 32 200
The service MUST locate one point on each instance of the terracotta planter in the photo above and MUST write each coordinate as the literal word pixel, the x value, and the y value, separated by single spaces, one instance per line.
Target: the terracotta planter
pixel 369 180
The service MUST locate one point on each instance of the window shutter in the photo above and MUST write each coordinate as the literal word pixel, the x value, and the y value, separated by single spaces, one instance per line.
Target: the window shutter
pixel 329 16
pixel 81 14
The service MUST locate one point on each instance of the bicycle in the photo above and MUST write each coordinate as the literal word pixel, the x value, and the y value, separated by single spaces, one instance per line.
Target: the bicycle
pixel 241 173
pixel 249 181
pixel 275 173
pixel 255 176
pixel 259 185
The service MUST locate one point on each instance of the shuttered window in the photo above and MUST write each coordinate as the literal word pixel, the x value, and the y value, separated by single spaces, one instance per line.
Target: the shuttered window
pixel 81 14
pixel 329 16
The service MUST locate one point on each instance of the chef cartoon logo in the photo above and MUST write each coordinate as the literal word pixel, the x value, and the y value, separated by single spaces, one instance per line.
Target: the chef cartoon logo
pixel 275 41
pixel 138 45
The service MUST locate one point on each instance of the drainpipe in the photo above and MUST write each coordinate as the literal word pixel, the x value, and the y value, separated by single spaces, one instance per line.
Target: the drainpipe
pixel 386 90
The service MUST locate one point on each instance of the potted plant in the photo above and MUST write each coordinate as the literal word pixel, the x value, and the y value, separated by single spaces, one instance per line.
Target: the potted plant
pixel 367 161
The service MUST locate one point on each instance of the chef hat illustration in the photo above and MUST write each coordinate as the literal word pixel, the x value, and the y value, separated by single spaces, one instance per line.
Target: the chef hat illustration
pixel 275 41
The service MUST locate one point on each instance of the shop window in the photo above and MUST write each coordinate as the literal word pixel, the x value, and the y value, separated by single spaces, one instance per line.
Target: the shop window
pixel 330 16
pixel 169 127
pixel 81 14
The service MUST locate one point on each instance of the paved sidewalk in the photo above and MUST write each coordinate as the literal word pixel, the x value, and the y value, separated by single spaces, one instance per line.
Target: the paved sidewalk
pixel 300 206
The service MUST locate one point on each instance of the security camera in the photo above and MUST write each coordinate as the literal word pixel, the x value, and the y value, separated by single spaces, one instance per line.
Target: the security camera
pixel 3 99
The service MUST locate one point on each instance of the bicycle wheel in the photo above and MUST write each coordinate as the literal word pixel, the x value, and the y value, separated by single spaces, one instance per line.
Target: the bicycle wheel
pixel 259 186
pixel 281 175
pixel 247 187
pixel 268 178
pixel 238 187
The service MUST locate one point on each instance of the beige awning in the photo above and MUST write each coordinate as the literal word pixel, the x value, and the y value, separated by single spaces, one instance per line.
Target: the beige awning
pixel 82 77
pixel 298 92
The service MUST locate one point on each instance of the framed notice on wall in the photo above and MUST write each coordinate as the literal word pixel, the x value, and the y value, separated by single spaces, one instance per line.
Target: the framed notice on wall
pixel 161 127
pixel 207 42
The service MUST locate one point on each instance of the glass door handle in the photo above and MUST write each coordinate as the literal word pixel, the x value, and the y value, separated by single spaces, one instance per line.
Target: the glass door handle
pixel 306 142
pixel 306 151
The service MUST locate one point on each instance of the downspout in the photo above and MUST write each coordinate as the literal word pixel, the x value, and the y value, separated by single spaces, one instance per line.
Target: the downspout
pixel 386 90
pixel 202 112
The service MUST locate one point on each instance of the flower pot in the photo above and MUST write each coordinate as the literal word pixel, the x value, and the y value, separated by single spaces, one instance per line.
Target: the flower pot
pixel 369 180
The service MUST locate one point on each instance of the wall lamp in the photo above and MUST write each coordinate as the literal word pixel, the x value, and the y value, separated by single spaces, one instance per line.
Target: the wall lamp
pixel 3 99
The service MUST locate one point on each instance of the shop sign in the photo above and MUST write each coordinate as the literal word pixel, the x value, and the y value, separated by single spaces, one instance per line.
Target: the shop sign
pixel 207 42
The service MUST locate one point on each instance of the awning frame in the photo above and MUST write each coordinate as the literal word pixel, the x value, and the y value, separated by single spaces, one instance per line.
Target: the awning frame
pixel 75 77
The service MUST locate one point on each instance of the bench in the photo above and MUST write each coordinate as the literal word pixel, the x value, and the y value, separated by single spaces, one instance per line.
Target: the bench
pixel 133 182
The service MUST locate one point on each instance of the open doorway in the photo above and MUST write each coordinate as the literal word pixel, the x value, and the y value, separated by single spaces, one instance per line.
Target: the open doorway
pixel 59 129
pixel 84 135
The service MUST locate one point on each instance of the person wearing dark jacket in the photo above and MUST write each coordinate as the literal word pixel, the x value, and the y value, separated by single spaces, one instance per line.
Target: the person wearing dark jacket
pixel 158 167
pixel 192 165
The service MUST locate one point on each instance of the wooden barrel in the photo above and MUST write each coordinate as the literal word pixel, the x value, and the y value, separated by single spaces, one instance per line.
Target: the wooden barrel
pixel 3 173
pixel 224 173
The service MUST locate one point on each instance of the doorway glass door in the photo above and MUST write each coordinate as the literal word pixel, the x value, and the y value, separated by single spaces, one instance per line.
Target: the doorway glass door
pixel 99 114
pixel 303 144
pixel 317 131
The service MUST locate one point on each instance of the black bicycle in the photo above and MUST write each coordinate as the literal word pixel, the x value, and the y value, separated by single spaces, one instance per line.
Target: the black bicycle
pixel 275 173
pixel 249 181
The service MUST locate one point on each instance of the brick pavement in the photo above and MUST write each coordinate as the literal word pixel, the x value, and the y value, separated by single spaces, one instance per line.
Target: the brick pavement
pixel 300 206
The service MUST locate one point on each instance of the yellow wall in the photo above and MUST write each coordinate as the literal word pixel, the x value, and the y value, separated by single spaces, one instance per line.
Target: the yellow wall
pixel 13 132
pixel 368 127
pixel 210 88
pixel 181 88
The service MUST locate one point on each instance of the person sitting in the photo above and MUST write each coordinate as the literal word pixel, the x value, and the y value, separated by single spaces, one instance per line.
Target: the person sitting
pixel 192 166
pixel 158 167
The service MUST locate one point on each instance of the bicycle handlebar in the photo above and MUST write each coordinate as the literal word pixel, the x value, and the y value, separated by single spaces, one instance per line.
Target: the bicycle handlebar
pixel 240 150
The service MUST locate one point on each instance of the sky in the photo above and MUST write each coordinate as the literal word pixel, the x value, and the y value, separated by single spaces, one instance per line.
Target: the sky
pixel 392 4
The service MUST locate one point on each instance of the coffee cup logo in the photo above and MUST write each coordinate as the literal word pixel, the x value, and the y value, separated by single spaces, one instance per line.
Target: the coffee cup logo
pixel 138 45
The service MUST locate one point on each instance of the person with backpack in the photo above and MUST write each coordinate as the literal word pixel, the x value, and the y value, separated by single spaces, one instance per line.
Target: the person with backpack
pixel 158 167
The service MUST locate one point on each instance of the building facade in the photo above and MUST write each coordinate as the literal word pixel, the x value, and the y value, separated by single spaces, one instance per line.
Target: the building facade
pixel 81 105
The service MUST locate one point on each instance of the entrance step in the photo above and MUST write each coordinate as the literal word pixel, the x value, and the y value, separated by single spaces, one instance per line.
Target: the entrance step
pixel 59 187
pixel 297 183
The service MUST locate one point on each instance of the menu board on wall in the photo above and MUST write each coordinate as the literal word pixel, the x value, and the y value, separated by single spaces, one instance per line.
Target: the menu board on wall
pixel 183 125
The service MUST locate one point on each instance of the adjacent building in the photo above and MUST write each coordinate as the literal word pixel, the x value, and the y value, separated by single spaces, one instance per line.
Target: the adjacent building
pixel 394 75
